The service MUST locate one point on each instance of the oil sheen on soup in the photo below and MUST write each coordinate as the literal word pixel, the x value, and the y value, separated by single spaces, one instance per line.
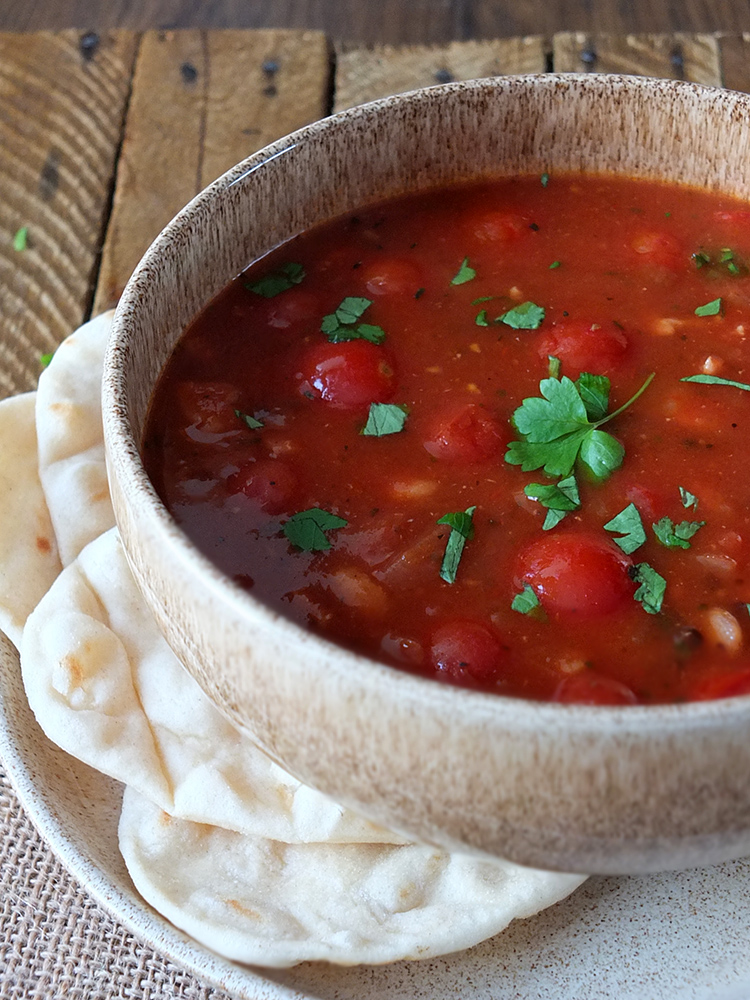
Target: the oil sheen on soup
pixel 495 435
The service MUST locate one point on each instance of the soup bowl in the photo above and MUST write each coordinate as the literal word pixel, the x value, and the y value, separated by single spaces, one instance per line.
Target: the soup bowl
pixel 565 787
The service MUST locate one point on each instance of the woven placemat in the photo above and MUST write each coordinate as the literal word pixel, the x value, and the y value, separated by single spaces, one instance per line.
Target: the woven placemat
pixel 55 941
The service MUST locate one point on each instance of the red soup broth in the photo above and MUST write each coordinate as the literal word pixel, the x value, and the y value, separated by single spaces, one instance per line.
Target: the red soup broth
pixel 448 309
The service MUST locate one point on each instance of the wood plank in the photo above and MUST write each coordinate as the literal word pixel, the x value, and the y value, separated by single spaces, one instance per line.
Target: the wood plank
pixel 678 56
pixel 201 102
pixel 734 56
pixel 62 103
pixel 364 74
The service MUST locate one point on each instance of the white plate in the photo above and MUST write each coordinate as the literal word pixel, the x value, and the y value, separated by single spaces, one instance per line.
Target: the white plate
pixel 677 936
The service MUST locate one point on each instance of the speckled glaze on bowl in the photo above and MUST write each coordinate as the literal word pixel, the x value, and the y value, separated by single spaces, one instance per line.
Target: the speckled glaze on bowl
pixel 608 790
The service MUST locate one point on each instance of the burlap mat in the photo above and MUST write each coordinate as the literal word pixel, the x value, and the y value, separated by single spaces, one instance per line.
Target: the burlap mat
pixel 55 942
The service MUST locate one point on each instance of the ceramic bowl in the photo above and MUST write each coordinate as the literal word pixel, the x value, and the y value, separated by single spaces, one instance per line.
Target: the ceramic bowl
pixel 609 790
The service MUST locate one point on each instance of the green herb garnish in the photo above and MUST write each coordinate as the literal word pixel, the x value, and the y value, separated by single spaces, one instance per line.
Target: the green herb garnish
pixel 554 366
pixel 544 179
pixel 712 308
pixel 481 319
pixel 462 530
pixel 21 239
pixel 688 499
pixel 44 359
pixel 556 431
pixel 558 498
pixel 715 380
pixel 287 276
pixel 652 587
pixel 700 258
pixel 464 274
pixel 526 601
pixel 527 316
pixel 251 422
pixel 628 523
pixel 383 419
pixel 554 264
pixel 343 324
pixel 305 530
pixel 676 536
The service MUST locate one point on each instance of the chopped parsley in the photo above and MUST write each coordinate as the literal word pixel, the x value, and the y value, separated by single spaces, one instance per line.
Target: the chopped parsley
pixel 556 430
pixel 544 179
pixel 652 587
pixel 343 324
pixel 383 419
pixel 558 498
pixel 526 601
pixel 481 319
pixel 464 274
pixel 554 366
pixel 712 308
pixel 251 422
pixel 306 530
pixel 44 359
pixel 629 525
pixel 554 264
pixel 688 499
pixel 715 380
pixel 287 276
pixel 462 530
pixel 676 536
pixel 700 257
pixel 21 239
pixel 527 316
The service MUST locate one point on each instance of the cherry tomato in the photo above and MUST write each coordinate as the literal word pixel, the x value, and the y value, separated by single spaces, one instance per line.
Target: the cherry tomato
pixel 726 685
pixel 464 435
pixel 575 574
pixel 596 348
pixel 590 688
pixel 208 407
pixel 497 227
pixel 464 647
pixel 660 250
pixel 392 276
pixel 268 481
pixel 348 375
pixel 296 305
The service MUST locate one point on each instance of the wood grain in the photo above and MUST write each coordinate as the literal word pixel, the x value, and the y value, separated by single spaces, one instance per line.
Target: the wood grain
pixel 201 102
pixel 363 74
pixel 734 55
pixel 61 110
pixel 678 56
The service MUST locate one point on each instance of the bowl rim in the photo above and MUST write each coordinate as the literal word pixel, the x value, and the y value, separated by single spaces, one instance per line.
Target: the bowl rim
pixel 415 688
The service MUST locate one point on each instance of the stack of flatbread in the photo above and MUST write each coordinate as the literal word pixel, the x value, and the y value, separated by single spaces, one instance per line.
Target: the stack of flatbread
pixel 217 837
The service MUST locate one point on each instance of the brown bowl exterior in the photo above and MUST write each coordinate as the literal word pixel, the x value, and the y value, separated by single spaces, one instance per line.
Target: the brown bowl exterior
pixel 609 790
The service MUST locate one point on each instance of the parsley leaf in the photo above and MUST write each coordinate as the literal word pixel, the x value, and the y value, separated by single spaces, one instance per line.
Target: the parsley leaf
pixel 700 257
pixel 20 240
pixel 527 316
pixel 554 264
pixel 383 419
pixel 340 325
pixel 712 308
pixel 44 359
pixel 554 366
pixel 462 530
pixel 251 422
pixel 545 179
pixel 526 601
pixel 629 524
pixel 688 499
pixel 464 274
pixel 481 319
pixel 558 498
pixel 652 587
pixel 675 536
pixel 555 430
pixel 594 391
pixel 287 276
pixel 715 380
pixel 305 530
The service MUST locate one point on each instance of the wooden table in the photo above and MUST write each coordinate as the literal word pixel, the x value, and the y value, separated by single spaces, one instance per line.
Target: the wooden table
pixel 102 139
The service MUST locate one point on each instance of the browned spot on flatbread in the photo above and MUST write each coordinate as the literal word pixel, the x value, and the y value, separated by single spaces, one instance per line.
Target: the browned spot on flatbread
pixel 164 818
pixel 73 666
pixel 100 496
pixel 43 544
pixel 235 904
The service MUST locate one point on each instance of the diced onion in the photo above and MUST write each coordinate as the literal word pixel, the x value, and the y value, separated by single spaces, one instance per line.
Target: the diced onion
pixel 721 628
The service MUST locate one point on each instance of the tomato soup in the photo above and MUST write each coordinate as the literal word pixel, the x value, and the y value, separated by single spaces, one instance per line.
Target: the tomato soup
pixel 494 435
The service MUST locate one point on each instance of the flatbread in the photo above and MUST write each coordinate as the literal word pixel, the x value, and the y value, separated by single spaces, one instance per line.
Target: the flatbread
pixel 258 901
pixel 28 551
pixel 71 441
pixel 105 686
